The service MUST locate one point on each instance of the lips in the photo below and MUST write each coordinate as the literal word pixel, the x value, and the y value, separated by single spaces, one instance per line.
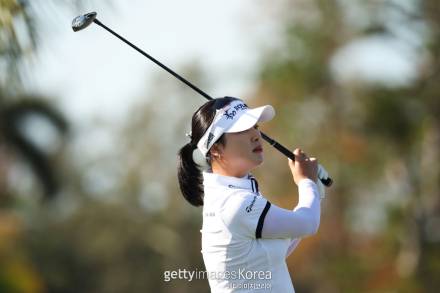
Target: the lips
pixel 258 149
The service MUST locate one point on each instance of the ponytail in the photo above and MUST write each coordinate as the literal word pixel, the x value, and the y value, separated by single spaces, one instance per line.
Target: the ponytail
pixel 189 175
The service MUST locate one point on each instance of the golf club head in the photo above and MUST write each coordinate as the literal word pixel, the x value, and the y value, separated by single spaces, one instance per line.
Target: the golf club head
pixel 83 21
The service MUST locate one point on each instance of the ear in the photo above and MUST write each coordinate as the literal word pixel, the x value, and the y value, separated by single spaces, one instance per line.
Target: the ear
pixel 216 150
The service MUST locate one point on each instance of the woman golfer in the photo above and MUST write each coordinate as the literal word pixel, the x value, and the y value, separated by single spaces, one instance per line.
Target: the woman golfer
pixel 245 238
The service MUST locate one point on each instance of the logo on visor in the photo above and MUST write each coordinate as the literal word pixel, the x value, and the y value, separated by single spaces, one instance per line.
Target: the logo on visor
pixel 235 109
pixel 210 138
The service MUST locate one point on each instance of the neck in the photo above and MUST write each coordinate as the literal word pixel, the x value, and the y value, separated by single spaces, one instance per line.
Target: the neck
pixel 221 170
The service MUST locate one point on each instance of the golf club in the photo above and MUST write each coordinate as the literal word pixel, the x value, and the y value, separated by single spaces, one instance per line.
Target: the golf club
pixel 83 21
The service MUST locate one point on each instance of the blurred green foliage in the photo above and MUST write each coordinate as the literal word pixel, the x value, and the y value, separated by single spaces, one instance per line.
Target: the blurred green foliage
pixel 119 222
pixel 381 143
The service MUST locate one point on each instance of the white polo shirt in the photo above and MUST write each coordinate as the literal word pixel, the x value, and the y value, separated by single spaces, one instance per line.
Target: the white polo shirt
pixel 236 258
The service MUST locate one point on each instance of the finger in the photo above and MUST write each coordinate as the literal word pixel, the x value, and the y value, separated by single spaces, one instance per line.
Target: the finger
pixel 299 155
pixel 304 155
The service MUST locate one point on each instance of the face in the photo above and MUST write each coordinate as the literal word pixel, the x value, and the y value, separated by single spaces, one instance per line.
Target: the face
pixel 242 152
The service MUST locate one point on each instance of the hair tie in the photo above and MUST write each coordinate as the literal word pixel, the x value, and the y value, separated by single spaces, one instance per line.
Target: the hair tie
pixel 189 135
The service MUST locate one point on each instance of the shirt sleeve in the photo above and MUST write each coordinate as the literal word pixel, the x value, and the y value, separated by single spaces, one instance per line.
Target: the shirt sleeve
pixel 244 214
pixel 301 221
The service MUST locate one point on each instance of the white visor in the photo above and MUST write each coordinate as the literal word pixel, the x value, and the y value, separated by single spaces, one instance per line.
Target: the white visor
pixel 234 117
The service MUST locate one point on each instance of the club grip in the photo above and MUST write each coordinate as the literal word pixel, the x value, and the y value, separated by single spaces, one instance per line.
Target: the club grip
pixel 326 181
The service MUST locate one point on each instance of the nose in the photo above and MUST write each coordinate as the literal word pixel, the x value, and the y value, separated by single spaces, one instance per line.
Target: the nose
pixel 256 135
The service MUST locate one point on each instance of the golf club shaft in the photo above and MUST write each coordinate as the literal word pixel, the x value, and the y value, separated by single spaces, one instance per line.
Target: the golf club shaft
pixel 154 60
pixel 271 141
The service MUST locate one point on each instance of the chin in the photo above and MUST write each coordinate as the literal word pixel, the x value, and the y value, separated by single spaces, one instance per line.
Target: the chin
pixel 257 161
pixel 249 162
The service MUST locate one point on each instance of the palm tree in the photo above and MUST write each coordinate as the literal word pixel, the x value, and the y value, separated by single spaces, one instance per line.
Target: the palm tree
pixel 19 39
pixel 13 115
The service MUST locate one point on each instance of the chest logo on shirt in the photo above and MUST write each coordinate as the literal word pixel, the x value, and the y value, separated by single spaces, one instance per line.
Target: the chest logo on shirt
pixel 249 207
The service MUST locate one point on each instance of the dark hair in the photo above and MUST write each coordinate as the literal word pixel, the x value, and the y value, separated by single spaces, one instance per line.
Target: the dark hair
pixel 188 172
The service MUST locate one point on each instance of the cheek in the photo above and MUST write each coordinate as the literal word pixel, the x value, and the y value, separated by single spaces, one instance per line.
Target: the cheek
pixel 237 149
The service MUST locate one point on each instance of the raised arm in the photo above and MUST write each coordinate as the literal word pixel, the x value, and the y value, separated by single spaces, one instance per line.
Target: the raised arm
pixel 303 220
pixel 305 217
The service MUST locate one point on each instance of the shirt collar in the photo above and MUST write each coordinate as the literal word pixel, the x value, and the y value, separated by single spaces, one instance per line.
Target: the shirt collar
pixel 247 182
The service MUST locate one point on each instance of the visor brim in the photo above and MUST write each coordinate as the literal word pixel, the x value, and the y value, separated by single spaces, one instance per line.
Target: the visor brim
pixel 251 117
